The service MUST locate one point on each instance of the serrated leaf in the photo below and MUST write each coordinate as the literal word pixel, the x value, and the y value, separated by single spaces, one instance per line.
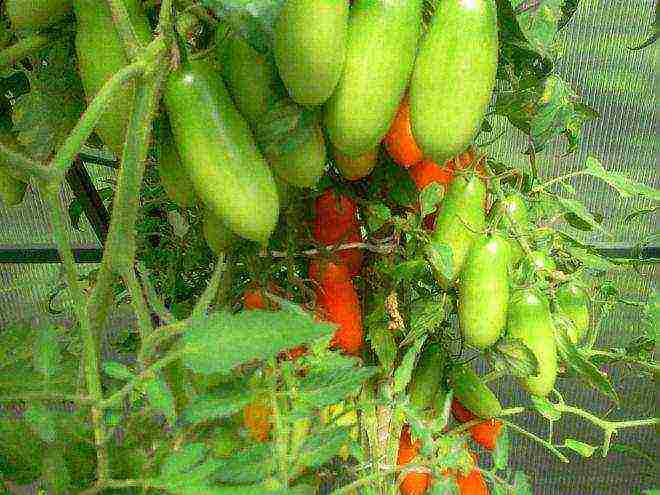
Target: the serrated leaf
pixel 426 314
pixel 626 187
pixel 383 343
pixel 584 449
pixel 330 382
pixel 252 20
pixel 117 370
pixel 579 210
pixel 539 23
pixel 320 448
pixel 178 463
pixel 546 408
pixel 377 215
pixel 440 257
pixel 248 466
pixel 42 422
pixel 430 198
pixel 404 371
pixel 580 365
pixel 47 354
pixel 161 398
pixel 591 259
pixel 221 341
pixel 211 407
pixel 513 355
pixel 410 270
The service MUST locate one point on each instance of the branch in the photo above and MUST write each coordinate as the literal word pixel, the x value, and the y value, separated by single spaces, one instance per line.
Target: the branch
pixel 90 357
pixel 122 22
pixel 20 167
pixel 24 47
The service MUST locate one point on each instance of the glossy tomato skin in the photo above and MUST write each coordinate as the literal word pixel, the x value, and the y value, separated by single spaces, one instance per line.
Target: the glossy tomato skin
pixel 336 222
pixel 573 302
pixel 485 433
pixel 459 222
pixel 356 168
pixel 413 483
pixel 472 392
pixel 310 47
pixel 217 235
pixel 97 40
pixel 399 141
pixel 484 292
pixel 381 46
pixel 338 302
pixel 221 157
pixel 529 319
pixel 251 79
pixel 173 176
pixel 454 76
pixel 427 378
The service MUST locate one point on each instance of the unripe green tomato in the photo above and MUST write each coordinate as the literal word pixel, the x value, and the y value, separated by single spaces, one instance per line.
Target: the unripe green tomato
pixel 218 236
pixel 355 168
pixel 472 392
pixel 173 176
pixel 484 292
pixel 573 302
pixel 427 377
pixel 529 319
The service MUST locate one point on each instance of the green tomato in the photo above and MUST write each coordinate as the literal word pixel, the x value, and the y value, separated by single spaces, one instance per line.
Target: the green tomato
pixel 473 393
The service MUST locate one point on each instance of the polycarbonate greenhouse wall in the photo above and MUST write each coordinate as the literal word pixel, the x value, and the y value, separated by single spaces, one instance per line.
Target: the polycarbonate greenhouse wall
pixel 620 84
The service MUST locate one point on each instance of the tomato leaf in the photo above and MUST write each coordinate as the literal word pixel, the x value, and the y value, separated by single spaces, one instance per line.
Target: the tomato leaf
pixel 581 366
pixel 42 422
pixel 404 371
pixel 579 210
pixel 205 408
pixel 626 187
pixel 440 258
pixel 515 357
pixel 546 408
pixel 377 215
pixel 318 449
pixel 118 371
pixel 221 341
pixel 47 354
pixel 161 398
pixel 539 22
pixel 584 449
pixel 248 466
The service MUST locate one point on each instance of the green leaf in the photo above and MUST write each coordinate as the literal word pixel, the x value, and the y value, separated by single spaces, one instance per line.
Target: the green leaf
pixel 47 355
pixel 180 462
pixel 539 23
pixel 579 364
pixel 42 422
pixel 427 314
pixel 590 259
pixel 55 473
pixel 626 187
pixel 382 342
pixel 410 270
pixel 514 356
pixel 118 371
pixel 329 380
pixel 584 449
pixel 546 408
pixel 221 341
pixel 440 258
pixel 579 210
pixel 248 466
pixel 320 448
pixel 377 215
pixel 252 20
pixel 404 371
pixel 161 398
pixel 207 408
pixel 430 197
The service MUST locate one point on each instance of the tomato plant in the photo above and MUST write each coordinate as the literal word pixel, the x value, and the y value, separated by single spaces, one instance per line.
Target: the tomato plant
pixel 317 274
